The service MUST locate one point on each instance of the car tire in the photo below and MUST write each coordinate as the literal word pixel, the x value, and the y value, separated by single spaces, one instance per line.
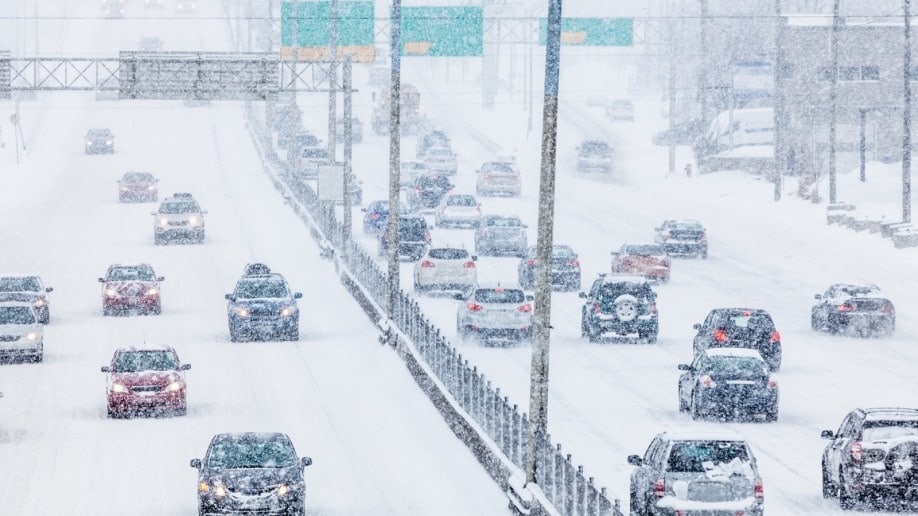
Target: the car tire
pixel 814 322
pixel 293 335
pixel 683 406
pixel 846 500
pixel 695 407
pixel 156 310
pixel 106 312
pixel 635 505
pixel 181 411
pixel 592 335
pixel 771 414
pixel 234 335
pixel 158 240
pixel 828 488
pixel 38 358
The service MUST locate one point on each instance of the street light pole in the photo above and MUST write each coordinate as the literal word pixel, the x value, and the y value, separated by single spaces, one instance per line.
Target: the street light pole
pixel 833 101
pixel 392 224
pixel 780 116
pixel 907 120
pixel 332 84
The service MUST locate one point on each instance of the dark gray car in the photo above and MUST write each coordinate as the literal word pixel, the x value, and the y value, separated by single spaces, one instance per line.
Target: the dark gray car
pixel 501 235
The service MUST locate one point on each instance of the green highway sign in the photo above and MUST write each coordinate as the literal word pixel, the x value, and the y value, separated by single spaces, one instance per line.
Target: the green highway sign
pixel 442 31
pixel 593 32
pixel 313 29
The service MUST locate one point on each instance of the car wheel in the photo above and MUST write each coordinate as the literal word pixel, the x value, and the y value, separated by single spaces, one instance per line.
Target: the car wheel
pixel 156 310
pixel 771 414
pixel 683 406
pixel 635 504
pixel 828 489
pixel 846 500
pixel 106 311
pixel 234 335
pixel 38 358
pixel 112 414
pixel 293 334
pixel 181 411
pixel 592 335
pixel 814 322
pixel 695 407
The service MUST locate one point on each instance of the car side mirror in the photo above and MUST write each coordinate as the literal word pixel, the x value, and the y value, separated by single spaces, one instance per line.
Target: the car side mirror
pixel 474 257
pixel 696 326
pixel 635 460
pixel 817 296
pixel 297 295
pixel 459 296
pixel 106 369
pixel 49 289
pixel 306 461
pixel 582 295
pixel 161 278
pixel 153 213
pixel 228 297
pixel 684 367
pixel 195 463
pixel 530 297
pixel 827 434
pixel 186 367
pixel 101 280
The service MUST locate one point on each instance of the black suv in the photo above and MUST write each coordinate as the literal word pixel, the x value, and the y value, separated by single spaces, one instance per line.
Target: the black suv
pixel 99 141
pixel 874 454
pixel 862 310
pixel 427 190
pixel 683 237
pixel 621 305
pixel 740 328
pixel 413 238
pixel 251 472
pixel 262 306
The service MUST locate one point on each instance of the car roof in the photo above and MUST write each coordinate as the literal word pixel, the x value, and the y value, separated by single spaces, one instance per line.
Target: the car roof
pixel 99 130
pixel 145 347
pixel 890 413
pixel 257 436
pixel 620 277
pixel 733 352
pixel 699 435
pixel 19 275
pixel 682 221
pixel 653 244
pixel 754 311
pixel 262 276
pixel 132 265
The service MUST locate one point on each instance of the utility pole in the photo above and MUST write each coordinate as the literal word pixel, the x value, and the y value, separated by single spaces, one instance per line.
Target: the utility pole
pixel 348 148
pixel 672 87
pixel 703 76
pixel 907 120
pixel 780 117
pixel 392 224
pixel 538 391
pixel 833 101
pixel 332 84
pixel 862 143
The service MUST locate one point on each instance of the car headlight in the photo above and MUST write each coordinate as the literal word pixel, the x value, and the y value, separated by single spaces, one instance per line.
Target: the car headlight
pixel 287 311
pixel 219 491
pixel 203 487
pixel 40 303
pixel 119 388
pixel 151 188
pixel 108 142
pixel 88 142
pixel 242 311
pixel 282 489
pixel 175 386
pixel 124 189
pixel 163 221
pixel 110 292
pixel 193 220
pixel 152 292
pixel 31 336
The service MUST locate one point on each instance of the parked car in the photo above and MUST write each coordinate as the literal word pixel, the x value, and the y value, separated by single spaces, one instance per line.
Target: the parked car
pixel 873 455
pixel 648 259
pixel 682 237
pixel 413 238
pixel 21 333
pixel 434 138
pixel 307 165
pixel 178 219
pixel 501 234
pixel 458 210
pixel 728 382
pixel 565 268
pixel 426 191
pixel 262 306
pixel 251 472
pixel 131 288
pixel 138 187
pixel 441 160
pixel 147 380
pixel 376 216
pixel 356 130
pixel 704 473
pixel 186 7
pixel 27 288
pixel 446 269
pixel 750 328
pixel 496 315
pixel 682 133
pixel 99 141
pixel 620 109
pixel 620 305
pixel 594 155
pixel 498 177
pixel 854 309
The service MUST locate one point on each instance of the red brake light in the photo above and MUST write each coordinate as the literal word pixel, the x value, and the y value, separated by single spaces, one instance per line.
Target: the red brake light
pixel 530 262
pixel 772 384
pixel 759 491
pixel 888 307
pixel 574 263
pixel 659 488
pixel 775 337
pixel 847 307
pixel 720 335
pixel 374 216
pixel 525 308
pixel 653 307
pixel 473 307
pixel 596 308
pixel 417 190
pixel 747 313
pixel 427 263
pixel 707 382
pixel 469 265
pixel 857 451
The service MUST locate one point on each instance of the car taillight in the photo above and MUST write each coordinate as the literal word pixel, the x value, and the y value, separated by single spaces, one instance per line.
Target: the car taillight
pixel 478 209
pixel 525 308
pixel 857 451
pixel 888 307
pixel 373 216
pixel 469 265
pixel 707 382
pixel 596 308
pixel 653 307
pixel 772 384
pixel 720 335
pixel 530 262
pixel 574 263
pixel 659 488
pixel 759 491
pixel 417 191
pixel 474 307
pixel 427 236
pixel 427 263
pixel 847 307
pixel 775 337
pixel 668 235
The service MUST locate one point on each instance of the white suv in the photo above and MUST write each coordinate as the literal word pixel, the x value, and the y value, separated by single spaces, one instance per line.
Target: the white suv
pixel 21 334
pixel 179 218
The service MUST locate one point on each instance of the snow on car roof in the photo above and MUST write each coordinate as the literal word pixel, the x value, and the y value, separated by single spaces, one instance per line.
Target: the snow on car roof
pixel 733 352
pixel 698 435
pixel 860 290
pixel 891 413
pixel 18 275
pixel 620 277
pixel 145 347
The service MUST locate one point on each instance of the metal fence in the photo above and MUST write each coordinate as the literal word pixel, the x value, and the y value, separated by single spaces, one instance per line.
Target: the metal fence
pixel 563 483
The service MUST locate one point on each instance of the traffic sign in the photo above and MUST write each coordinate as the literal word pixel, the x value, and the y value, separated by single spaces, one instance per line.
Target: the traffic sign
pixel 312 24
pixel 453 31
pixel 593 32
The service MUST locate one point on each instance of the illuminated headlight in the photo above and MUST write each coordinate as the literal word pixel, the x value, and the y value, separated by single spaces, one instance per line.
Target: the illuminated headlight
pixel 203 487
pixel 242 311
pixel 163 221
pixel 287 311
pixel 152 292
pixel 282 490
pixel 175 386
pixel 40 303
pixel 193 221
pixel 119 388
pixel 151 188
pixel 88 143
pixel 124 189
pixel 108 142
pixel 219 491
pixel 110 292
pixel 31 336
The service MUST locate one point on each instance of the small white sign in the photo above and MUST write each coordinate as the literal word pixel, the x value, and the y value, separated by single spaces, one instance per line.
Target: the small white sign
pixel 331 183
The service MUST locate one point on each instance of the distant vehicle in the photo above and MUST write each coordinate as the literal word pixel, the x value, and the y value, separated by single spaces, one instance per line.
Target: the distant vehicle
pixel 413 238
pixel 498 177
pixel 709 473
pixel 458 210
pixel 620 109
pixel 150 44
pixel 873 455
pixel 21 333
pixel 594 155
pixel 682 237
pixel 251 472
pixel 113 8
pixel 186 7
pixel 27 288
pixel 855 309
pixel 441 160
pixel 356 130
pixel 682 133
pixel 565 268
pixel 737 138
pixel 138 187
pixel 152 3
pixel 284 117
pixel 146 381
pixel 648 259
pixel 262 306
pixel 307 166
pixel 409 170
pixel 446 269
pixel 496 315
pixel 727 382
pixel 303 139
pixel 131 288
pixel 410 113
pixel 622 306
pixel 178 219
pixel 434 138
pixel 498 235
pixel 750 328
pixel 376 216
pixel 99 141
pixel 426 191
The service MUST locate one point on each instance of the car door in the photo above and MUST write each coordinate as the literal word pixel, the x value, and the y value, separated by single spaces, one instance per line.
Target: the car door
pixel 822 309
pixel 837 447
pixel 644 476
pixel 687 380
pixel 702 337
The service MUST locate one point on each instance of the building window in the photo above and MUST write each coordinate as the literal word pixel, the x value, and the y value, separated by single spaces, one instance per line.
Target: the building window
pixel 870 73
pixel 853 73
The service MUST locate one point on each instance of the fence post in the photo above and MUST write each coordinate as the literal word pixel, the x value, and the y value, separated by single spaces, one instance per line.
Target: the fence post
pixel 581 489
pixel 568 485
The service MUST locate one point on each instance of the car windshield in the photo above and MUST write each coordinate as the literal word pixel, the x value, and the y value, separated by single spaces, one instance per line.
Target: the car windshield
pixel 595 147
pixel 448 253
pixel 20 284
pixel 855 291
pixel 131 274
pixel 179 207
pixel 497 168
pixel 732 365
pixel 686 226
pixel 499 295
pixel 16 315
pixel 251 453
pixel 644 250
pixel 701 456
pixel 136 361
pixel 99 133
pixel 882 430
pixel 137 177
pixel 261 287
pixel 505 222
pixel 461 200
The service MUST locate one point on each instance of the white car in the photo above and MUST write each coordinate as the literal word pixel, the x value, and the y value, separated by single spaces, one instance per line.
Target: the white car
pixel 446 269
pixel 441 159
pixel 594 155
pixel 26 288
pixel 496 314
pixel 498 177
pixel 178 219
pixel 21 333
pixel 458 210
pixel 409 170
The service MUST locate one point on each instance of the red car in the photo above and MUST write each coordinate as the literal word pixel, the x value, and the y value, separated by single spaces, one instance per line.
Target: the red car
pixel 647 259
pixel 146 381
pixel 131 288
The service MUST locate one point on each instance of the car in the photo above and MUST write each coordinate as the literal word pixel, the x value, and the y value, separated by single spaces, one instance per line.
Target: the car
pixel 859 309
pixel 434 138
pixel 178 219
pixel 648 259
pixel 682 133
pixel 262 306
pixel 682 237
pixel 426 191
pixel 152 3
pixel 356 130
pixel 872 455
pixel 685 472
pixel 498 177
pixel 446 269
pixel 138 187
pixel 620 305
pixel 27 288
pixel 376 216
pixel 251 472
pixel 750 328
pixel 441 160
pixel 146 381
pixel 565 268
pixel 408 170
pixel 620 109
pixel 113 8
pixel 303 138
pixel 129 288
pixel 21 333
pixel 310 157
pixel 496 314
pixel 150 44
pixel 413 238
pixel 458 210
pixel 501 234
pixel 99 141
pixel 186 7
pixel 728 382
pixel 594 155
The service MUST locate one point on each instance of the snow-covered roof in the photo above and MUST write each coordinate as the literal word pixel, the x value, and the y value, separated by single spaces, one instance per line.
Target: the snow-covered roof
pixel 618 277
pixel 748 151
pixel 733 352
pixel 891 413
pixel 698 435
pixel 145 347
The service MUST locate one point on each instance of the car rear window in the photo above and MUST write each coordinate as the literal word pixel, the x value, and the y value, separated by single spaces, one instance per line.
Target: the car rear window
pixel 461 200
pixel 16 315
pixel 499 295
pixel 440 152
pixel 748 320
pixel 135 361
pixel 447 253
pixel 498 168
pixel 412 229
pixel 611 291
pixel 882 430
pixel 729 365
pixel 137 177
pixel 437 181
pixel 251 454
pixel 314 152
pixel 506 222
pixel 595 147
pixel 701 456
pixel 20 284
pixel 644 250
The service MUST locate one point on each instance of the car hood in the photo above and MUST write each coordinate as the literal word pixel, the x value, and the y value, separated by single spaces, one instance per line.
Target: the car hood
pixel 254 481
pixel 25 297
pixel 20 329
pixel 130 288
pixel 140 378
